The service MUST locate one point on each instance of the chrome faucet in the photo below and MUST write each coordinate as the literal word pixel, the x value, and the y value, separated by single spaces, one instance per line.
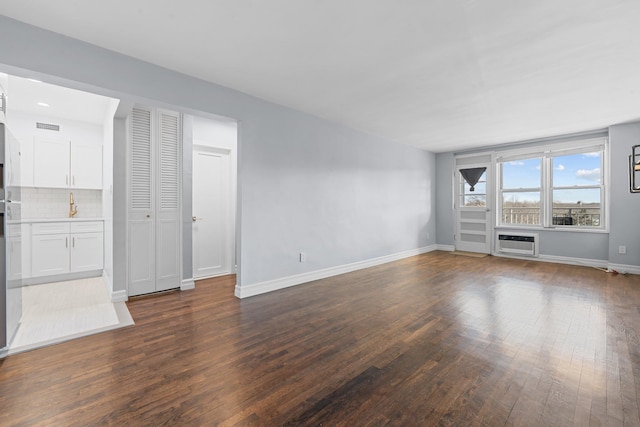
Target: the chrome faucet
pixel 73 210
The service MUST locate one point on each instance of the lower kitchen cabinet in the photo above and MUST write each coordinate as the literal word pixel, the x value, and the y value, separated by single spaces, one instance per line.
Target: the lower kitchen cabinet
pixel 66 247
pixel 49 254
pixel 86 252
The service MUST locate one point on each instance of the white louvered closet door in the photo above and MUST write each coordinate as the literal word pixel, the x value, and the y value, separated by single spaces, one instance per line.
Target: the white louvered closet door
pixel 168 201
pixel 154 201
pixel 141 236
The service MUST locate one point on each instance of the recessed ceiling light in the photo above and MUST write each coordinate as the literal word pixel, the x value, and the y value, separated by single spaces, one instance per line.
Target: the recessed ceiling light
pixel 35 81
pixel 43 104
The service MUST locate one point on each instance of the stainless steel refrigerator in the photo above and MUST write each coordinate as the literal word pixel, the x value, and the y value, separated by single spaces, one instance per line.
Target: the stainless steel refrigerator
pixel 10 239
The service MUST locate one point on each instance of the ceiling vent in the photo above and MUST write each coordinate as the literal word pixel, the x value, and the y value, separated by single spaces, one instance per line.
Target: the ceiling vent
pixel 48 126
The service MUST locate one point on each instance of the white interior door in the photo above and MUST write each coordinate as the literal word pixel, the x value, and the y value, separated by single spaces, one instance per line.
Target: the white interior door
pixel 473 210
pixel 212 224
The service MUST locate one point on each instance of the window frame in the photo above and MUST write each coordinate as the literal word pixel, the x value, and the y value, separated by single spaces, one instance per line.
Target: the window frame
pixel 546 154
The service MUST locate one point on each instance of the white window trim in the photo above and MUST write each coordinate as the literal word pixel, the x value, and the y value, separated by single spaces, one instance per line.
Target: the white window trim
pixel 546 154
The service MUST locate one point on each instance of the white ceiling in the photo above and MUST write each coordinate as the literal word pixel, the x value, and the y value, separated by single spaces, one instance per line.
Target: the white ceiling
pixel 440 74
pixel 63 103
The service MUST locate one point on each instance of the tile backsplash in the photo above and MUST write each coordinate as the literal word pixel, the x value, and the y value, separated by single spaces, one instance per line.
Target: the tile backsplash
pixel 41 203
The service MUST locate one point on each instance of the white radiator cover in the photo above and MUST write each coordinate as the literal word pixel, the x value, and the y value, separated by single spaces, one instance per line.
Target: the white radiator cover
pixel 523 244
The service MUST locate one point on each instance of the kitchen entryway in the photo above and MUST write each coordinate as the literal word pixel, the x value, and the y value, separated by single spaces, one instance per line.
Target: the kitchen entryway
pixel 57 312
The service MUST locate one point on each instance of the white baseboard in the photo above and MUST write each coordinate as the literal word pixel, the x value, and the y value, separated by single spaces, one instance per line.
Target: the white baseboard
pixel 285 282
pixel 624 268
pixel 448 248
pixel 3 352
pixel 119 296
pixel 187 284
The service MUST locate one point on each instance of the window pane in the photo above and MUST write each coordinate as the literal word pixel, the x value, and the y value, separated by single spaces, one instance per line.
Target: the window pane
pixel 521 174
pixel 577 169
pixel 521 208
pixel 479 188
pixel 578 207
pixel 476 200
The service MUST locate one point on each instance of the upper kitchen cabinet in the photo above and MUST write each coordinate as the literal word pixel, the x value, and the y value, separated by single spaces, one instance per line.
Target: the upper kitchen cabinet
pixel 67 164
pixel 51 163
pixel 86 166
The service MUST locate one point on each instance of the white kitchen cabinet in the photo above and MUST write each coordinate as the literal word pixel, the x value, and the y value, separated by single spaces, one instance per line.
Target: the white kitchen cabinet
pixel 18 251
pixel 50 254
pixel 51 163
pixel 87 246
pixel 66 164
pixel 86 165
pixel 66 247
pixel 26 163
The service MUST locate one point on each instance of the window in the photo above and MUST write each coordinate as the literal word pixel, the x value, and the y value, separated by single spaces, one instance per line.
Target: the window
pixel 475 196
pixel 560 187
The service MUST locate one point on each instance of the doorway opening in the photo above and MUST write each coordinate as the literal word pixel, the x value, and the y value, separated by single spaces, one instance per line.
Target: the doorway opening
pixel 214 185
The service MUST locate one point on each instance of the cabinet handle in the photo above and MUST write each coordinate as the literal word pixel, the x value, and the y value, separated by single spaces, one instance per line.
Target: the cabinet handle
pixel 74 180
pixel 66 179
pixel 66 242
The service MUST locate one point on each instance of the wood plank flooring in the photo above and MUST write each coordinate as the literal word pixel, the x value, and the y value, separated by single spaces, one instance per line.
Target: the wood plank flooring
pixel 429 340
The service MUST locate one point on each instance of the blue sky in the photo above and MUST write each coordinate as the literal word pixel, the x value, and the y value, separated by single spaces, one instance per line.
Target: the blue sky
pixel 570 170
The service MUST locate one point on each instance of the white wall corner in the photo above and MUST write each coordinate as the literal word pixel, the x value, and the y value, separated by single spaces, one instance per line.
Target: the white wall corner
pixel 298 279
pixel 448 248
pixel 624 268
pixel 119 296
pixel 187 284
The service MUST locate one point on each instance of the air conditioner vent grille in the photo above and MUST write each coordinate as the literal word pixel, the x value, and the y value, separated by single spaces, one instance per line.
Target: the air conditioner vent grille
pixel 518 244
pixel 48 126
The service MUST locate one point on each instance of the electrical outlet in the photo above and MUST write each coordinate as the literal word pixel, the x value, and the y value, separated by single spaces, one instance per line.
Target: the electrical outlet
pixel 622 250
pixel 303 257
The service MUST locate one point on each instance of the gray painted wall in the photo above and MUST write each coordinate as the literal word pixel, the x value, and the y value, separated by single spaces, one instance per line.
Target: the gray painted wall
pixel 304 184
pixel 445 214
pixel 625 206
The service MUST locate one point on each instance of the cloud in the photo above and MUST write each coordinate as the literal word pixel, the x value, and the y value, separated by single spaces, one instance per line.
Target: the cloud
pixel 595 154
pixel 590 174
pixel 560 168
pixel 516 163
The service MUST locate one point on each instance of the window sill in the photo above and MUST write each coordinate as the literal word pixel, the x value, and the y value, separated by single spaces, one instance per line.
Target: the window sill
pixel 554 228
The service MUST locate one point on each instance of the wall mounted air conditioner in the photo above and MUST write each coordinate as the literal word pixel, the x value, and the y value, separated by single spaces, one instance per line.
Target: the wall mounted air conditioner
pixel 524 244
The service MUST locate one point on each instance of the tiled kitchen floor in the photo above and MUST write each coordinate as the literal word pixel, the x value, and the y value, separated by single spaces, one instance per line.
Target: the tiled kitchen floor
pixel 57 312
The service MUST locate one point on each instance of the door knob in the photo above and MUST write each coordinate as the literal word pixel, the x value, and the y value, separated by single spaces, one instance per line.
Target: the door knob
pixel 195 218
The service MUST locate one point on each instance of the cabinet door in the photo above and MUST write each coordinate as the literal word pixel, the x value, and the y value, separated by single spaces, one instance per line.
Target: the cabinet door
pixel 51 163
pixel 50 254
pixel 18 251
pixel 86 252
pixel 26 163
pixel 86 165
pixel 141 234
pixel 14 258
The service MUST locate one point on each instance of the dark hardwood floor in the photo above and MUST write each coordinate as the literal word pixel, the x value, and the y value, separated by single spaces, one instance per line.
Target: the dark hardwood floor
pixel 430 340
